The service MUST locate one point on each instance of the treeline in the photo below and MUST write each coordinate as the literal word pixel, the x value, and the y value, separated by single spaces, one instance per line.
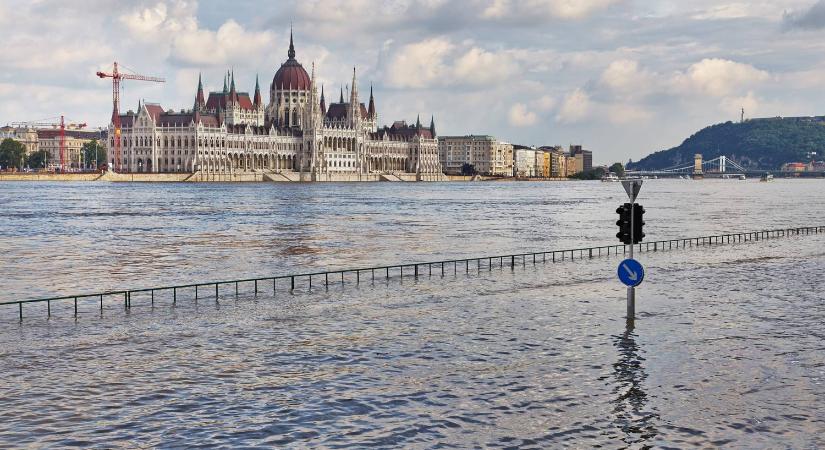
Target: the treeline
pixel 755 144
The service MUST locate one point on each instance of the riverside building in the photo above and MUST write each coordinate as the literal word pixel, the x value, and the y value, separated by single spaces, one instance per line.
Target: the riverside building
pixel 485 154
pixel 47 140
pixel 296 136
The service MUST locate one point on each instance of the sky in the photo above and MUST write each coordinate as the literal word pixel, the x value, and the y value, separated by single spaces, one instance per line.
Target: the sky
pixel 622 77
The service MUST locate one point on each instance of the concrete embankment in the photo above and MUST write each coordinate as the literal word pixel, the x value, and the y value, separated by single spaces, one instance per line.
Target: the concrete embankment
pixel 241 177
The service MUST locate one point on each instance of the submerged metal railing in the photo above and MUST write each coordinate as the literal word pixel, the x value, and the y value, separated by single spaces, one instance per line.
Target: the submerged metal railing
pixel 415 269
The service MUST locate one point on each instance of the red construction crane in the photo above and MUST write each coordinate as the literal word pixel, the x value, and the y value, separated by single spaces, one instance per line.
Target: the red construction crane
pixel 116 76
pixel 62 126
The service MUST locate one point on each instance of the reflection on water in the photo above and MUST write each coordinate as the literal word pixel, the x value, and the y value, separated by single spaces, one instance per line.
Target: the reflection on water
pixel 637 424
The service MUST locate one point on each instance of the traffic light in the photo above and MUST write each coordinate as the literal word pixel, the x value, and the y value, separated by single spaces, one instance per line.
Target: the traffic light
pixel 638 223
pixel 624 223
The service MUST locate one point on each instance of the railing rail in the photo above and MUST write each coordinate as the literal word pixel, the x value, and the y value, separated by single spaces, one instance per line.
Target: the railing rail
pixel 442 267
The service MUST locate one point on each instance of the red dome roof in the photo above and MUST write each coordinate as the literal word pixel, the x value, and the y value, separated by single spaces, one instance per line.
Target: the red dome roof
pixel 291 75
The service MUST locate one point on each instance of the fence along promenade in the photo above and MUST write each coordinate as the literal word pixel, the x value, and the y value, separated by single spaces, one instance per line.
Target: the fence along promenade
pixel 413 269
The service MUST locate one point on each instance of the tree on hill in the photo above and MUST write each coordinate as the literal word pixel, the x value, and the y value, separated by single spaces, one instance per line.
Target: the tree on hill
pixel 618 169
pixel 754 144
pixel 12 154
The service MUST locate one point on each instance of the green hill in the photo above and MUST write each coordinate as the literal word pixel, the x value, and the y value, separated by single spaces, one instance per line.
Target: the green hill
pixel 754 144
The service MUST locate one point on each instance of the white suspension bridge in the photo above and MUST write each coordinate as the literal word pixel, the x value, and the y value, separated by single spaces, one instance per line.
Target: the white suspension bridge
pixel 721 166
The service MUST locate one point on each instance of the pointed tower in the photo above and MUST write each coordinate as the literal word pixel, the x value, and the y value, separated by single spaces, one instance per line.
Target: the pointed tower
pixel 314 107
pixel 291 52
pixel 323 102
pixel 418 122
pixel 341 100
pixel 233 94
pixel 354 105
pixel 225 90
pixel 200 103
pixel 371 108
pixel 257 100
pixel 432 126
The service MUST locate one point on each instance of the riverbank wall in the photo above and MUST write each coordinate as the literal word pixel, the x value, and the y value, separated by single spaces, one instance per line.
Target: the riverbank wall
pixel 236 177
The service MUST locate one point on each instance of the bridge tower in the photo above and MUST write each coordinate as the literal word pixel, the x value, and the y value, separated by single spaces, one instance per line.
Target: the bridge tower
pixel 723 163
pixel 697 167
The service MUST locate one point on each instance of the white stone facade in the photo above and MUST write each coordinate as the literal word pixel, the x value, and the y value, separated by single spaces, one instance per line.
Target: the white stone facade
pixel 487 155
pixel 295 134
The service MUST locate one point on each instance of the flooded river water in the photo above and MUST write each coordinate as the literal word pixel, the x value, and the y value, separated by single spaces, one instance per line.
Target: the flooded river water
pixel 728 348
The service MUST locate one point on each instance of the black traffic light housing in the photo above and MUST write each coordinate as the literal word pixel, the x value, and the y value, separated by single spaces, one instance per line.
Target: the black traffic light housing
pixel 638 224
pixel 624 223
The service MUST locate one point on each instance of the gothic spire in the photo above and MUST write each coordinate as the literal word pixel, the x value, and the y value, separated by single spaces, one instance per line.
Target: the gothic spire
pixel 199 100
pixel 418 122
pixel 233 94
pixel 323 102
pixel 342 95
pixel 371 108
pixel 432 126
pixel 353 94
pixel 224 84
pixel 257 100
pixel 291 52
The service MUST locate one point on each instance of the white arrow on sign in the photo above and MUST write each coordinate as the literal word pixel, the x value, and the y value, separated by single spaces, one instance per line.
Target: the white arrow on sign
pixel 630 274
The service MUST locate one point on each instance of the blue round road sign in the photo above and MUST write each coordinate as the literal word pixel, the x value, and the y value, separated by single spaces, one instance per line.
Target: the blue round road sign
pixel 631 272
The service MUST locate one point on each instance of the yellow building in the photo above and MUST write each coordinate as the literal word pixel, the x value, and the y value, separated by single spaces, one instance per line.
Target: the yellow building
pixel 543 163
pixel 558 164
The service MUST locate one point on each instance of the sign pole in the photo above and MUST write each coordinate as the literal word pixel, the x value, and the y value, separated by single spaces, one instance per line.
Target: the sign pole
pixel 632 187
pixel 631 290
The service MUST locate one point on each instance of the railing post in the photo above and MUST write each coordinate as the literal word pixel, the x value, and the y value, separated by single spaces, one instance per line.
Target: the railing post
pixel 292 283
pixel 174 295
pixel 20 310
pixel 75 307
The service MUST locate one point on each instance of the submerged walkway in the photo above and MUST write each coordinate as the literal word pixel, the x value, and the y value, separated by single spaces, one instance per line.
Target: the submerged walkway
pixel 289 283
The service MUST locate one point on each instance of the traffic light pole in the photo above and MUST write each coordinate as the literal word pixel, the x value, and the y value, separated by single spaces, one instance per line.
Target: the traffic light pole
pixel 631 291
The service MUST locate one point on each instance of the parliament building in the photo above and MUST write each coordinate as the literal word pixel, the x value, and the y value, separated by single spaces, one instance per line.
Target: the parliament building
pixel 296 136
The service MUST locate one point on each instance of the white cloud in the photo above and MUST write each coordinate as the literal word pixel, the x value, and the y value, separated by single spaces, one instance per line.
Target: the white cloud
pixel 532 9
pixel 734 105
pixel 626 76
pixel 172 28
pixel 478 66
pixel 575 107
pixel 720 77
pixel 544 103
pixel 420 64
pixel 520 116
pixel 438 62
pixel 623 113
